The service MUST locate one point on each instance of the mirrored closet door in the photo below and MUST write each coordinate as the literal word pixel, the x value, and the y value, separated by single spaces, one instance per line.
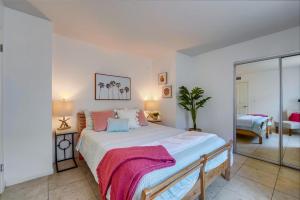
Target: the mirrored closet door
pixel 267 109
pixel 291 111
pixel 258 107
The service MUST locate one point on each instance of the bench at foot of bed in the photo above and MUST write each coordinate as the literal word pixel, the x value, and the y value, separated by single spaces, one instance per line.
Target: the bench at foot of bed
pixel 204 180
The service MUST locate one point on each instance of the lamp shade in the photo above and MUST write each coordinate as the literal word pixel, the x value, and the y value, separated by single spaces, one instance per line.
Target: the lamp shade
pixel 151 105
pixel 62 108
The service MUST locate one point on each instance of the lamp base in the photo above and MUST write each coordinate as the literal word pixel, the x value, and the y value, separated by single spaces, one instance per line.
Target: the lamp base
pixel 64 125
pixel 64 128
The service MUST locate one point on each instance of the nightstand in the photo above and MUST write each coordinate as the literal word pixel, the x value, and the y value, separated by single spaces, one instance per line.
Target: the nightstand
pixel 64 144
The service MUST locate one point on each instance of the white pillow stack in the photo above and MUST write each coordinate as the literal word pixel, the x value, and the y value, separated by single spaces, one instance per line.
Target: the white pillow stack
pixel 131 115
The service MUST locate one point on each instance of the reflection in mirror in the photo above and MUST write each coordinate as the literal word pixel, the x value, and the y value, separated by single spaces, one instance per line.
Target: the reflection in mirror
pixel 257 108
pixel 291 110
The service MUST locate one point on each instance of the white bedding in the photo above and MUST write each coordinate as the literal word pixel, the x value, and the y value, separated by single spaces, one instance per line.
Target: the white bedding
pixel 93 147
pixel 247 121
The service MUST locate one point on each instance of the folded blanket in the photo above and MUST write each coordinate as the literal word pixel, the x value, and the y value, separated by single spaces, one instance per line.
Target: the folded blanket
pixel 122 169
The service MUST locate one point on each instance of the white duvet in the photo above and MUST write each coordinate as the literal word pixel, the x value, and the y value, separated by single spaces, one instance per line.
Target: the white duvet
pixel 185 147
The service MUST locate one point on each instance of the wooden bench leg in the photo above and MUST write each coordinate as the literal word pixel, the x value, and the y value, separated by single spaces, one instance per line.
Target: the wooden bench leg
pixel 290 132
pixel 260 139
pixel 277 129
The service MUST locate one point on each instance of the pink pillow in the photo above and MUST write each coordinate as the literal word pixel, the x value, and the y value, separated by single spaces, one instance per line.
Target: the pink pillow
pixel 100 119
pixel 142 119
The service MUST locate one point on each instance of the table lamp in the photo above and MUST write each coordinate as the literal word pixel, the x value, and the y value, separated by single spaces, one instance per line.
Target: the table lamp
pixel 63 108
pixel 152 109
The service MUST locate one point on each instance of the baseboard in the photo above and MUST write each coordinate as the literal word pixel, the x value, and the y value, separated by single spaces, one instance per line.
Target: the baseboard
pixel 39 175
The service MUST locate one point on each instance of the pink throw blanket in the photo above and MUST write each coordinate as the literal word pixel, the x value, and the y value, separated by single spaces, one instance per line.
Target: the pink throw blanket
pixel 123 168
pixel 295 117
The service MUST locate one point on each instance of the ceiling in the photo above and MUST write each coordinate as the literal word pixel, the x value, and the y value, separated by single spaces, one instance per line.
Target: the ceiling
pixel 153 28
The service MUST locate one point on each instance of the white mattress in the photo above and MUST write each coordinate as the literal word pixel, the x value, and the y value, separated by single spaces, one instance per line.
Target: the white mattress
pixel 93 146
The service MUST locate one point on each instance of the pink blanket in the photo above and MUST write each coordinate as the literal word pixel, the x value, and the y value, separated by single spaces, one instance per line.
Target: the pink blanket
pixel 123 168
pixel 295 117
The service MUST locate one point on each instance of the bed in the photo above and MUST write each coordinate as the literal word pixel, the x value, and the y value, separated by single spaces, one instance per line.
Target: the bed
pixel 254 125
pixel 196 166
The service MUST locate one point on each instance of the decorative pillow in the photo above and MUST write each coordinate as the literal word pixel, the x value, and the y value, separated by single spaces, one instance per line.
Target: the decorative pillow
pixel 131 115
pixel 88 120
pixel 100 119
pixel 117 125
pixel 142 119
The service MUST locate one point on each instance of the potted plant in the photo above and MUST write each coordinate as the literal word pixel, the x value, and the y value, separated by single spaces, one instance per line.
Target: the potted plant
pixel 192 101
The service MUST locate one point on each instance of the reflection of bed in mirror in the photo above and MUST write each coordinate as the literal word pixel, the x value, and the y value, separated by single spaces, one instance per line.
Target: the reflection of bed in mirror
pixel 255 125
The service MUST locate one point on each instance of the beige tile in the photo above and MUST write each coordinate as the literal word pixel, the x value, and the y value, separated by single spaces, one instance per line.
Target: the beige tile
pixel 79 190
pixel 226 194
pixel 36 189
pixel 239 158
pixel 67 177
pixel 257 175
pixel 246 188
pixel 238 161
pixel 267 153
pixel 262 166
pixel 282 196
pixel 93 184
pixel 288 182
pixel 213 190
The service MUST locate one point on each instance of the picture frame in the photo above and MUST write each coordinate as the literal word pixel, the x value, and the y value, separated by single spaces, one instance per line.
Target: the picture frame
pixel 111 87
pixel 162 78
pixel 167 91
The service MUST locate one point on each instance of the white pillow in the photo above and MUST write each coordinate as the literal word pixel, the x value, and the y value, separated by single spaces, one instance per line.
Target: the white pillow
pixel 88 120
pixel 131 115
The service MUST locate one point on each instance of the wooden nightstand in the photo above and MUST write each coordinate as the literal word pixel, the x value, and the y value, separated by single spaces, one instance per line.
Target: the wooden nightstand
pixel 64 143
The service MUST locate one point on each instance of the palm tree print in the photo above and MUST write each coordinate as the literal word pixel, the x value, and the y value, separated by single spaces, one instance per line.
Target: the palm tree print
pixel 122 91
pixel 108 86
pixel 112 84
pixel 118 85
pixel 126 90
pixel 101 85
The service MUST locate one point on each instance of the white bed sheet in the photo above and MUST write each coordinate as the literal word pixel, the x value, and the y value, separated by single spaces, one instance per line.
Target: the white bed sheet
pixel 93 147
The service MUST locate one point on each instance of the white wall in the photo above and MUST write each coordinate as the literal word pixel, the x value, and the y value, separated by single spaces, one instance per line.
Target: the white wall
pixel 263 92
pixel 27 97
pixel 291 88
pixel 167 105
pixel 185 76
pixel 74 65
pixel 214 72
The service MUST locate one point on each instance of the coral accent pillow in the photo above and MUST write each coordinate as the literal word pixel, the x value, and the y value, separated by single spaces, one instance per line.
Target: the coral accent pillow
pixel 100 119
pixel 142 119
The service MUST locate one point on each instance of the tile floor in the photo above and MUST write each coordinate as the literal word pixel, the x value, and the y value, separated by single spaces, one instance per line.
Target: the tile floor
pixel 250 180
pixel 269 148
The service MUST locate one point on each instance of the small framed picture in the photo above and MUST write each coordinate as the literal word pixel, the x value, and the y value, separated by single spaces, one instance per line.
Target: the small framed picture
pixel 162 78
pixel 167 91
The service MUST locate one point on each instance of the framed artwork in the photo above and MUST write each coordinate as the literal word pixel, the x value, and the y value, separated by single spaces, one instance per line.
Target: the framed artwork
pixel 109 87
pixel 162 78
pixel 167 91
